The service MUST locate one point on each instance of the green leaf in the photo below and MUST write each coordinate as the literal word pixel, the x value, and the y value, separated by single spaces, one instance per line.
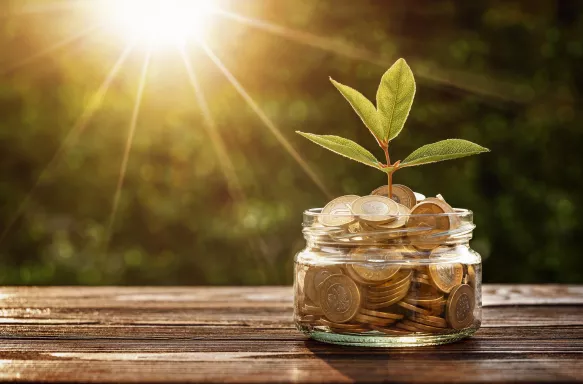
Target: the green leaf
pixel 394 99
pixel 344 147
pixel 442 150
pixel 363 107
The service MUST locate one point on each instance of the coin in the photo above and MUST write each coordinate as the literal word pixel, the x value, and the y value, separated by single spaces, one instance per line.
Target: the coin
pixel 407 327
pixel 453 219
pixel 401 194
pixel 374 272
pixel 446 276
pixel 398 280
pixel 385 304
pixel 375 209
pixel 460 307
pixel 373 320
pixel 339 298
pixel 338 212
pixel 430 320
pixel 400 221
pixel 387 315
pixel 312 310
pixel 424 302
pixel 472 276
pixel 381 299
pixel 413 308
pixel 403 287
pixel 419 196
pixel 422 275
pixel 314 277
pixel 429 214
pixel 420 280
pixel 422 327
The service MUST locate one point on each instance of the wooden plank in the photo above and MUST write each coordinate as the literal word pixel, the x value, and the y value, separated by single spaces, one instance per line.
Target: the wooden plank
pixel 494 354
pixel 290 342
pixel 131 334
pixel 40 298
pixel 310 370
pixel 142 324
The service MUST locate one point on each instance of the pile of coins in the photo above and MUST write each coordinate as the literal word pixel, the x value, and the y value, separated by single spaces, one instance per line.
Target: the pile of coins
pixel 380 287
pixel 406 218
pixel 396 300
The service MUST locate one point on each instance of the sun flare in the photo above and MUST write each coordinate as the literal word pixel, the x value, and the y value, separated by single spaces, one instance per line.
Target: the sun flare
pixel 160 22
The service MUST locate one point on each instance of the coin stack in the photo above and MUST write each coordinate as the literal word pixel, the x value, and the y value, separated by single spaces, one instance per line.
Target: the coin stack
pixel 406 218
pixel 381 287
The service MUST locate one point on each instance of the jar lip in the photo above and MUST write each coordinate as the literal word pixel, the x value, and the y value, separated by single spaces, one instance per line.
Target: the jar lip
pixel 458 212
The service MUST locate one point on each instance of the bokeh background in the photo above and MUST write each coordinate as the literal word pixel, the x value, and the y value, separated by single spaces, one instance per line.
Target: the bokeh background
pixel 504 74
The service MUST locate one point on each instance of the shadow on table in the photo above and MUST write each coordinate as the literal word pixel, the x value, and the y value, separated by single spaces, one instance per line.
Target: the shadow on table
pixel 400 364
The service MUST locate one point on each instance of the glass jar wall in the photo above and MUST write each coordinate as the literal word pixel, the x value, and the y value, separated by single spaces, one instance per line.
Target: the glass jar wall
pixel 414 282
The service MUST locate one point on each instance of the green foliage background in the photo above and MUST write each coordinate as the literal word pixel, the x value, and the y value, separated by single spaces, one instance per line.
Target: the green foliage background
pixel 504 74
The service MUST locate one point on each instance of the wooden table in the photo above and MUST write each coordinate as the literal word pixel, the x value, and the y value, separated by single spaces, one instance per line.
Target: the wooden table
pixel 245 334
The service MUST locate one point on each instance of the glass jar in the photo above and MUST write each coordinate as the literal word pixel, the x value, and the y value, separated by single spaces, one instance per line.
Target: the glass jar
pixel 411 281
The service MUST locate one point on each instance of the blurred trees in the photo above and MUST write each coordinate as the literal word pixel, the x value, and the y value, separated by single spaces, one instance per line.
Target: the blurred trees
pixel 504 74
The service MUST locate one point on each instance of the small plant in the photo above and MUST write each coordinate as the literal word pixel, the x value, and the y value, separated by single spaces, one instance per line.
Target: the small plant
pixel 394 99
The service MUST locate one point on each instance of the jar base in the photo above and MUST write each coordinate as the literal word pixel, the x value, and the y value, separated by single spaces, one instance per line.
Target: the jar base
pixel 376 339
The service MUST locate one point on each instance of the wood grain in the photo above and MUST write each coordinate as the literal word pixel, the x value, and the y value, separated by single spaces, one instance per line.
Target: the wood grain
pixel 245 334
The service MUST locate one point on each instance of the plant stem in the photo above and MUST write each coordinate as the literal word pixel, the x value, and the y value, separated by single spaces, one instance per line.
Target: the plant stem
pixel 389 174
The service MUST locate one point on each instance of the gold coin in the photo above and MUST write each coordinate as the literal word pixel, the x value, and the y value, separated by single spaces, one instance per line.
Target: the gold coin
pixel 423 327
pixel 312 310
pixel 308 319
pixel 391 331
pixel 373 320
pixel 314 277
pixel 375 209
pixel 384 304
pixel 407 327
pixel 339 298
pixel 446 276
pixel 415 300
pixel 472 276
pixel 454 219
pixel 403 287
pixel 413 308
pixel 430 215
pixel 338 211
pixel 460 307
pixel 419 196
pixel 381 299
pixel 397 281
pixel 422 275
pixel 374 272
pixel 420 280
pixel 401 194
pixel 386 315
pixel 400 220
pixel 430 320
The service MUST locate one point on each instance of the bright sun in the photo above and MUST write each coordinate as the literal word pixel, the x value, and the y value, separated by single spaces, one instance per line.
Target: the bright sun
pixel 160 22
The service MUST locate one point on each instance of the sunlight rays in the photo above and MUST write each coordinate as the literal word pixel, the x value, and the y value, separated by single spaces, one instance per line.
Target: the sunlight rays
pixel 478 84
pixel 52 6
pixel 267 122
pixel 127 150
pixel 72 136
pixel 58 45
pixel 209 125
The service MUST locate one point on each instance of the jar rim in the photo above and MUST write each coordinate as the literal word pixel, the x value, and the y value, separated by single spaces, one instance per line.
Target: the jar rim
pixel 457 212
